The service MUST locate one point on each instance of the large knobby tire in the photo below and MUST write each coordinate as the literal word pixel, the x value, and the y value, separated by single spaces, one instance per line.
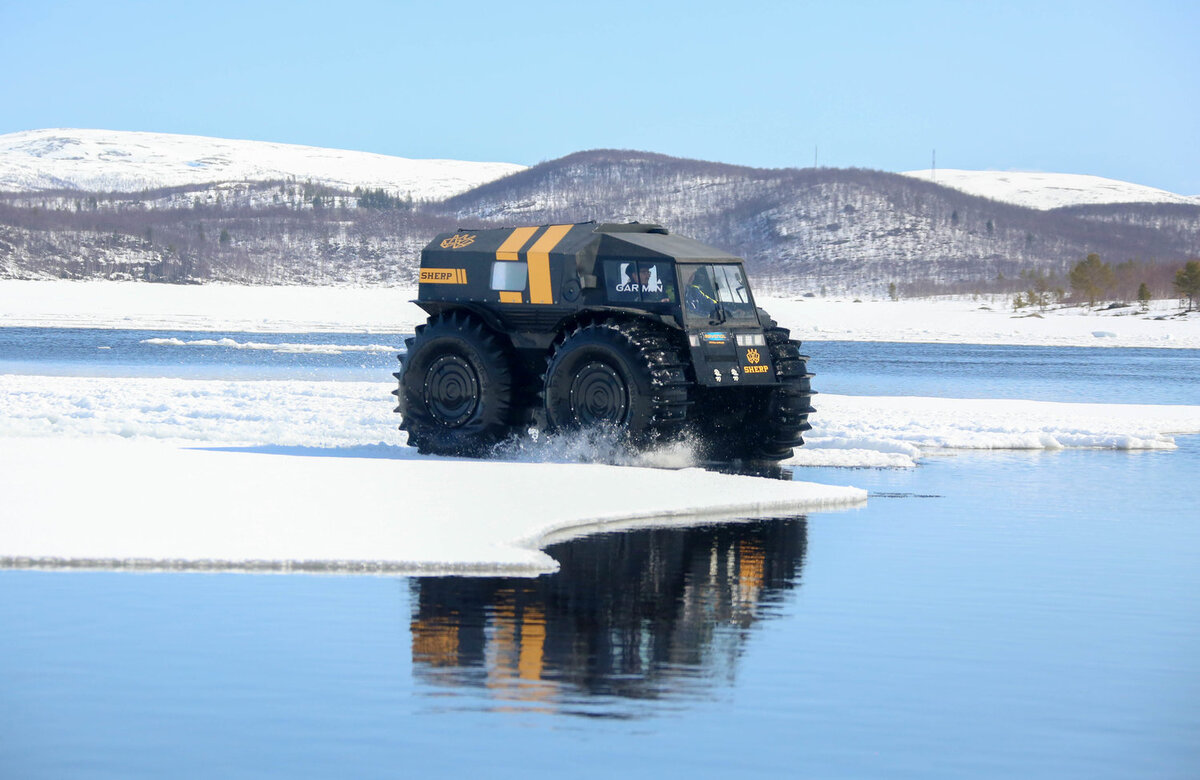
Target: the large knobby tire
pixel 763 423
pixel 784 417
pixel 624 376
pixel 456 388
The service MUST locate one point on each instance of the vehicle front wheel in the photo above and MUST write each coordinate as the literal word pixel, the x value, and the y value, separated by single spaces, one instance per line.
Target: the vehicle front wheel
pixel 621 376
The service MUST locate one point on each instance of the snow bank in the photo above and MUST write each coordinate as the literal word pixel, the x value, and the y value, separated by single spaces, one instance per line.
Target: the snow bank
pixel 389 310
pixel 965 321
pixel 897 431
pixel 145 504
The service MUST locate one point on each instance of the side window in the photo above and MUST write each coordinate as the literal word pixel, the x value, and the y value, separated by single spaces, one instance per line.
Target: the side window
pixel 621 281
pixel 628 281
pixel 657 282
pixel 510 276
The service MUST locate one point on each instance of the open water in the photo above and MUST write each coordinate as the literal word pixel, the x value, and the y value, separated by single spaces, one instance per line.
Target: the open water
pixel 994 614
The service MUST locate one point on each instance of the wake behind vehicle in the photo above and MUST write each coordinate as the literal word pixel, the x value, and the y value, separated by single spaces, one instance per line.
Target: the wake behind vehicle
pixel 627 327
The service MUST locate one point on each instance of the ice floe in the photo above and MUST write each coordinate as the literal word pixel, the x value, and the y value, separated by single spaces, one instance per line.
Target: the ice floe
pixel 281 347
pixel 145 504
pixel 897 430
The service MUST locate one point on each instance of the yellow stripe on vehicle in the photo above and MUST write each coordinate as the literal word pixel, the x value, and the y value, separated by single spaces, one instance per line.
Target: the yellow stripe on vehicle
pixel 512 245
pixel 509 297
pixel 539 263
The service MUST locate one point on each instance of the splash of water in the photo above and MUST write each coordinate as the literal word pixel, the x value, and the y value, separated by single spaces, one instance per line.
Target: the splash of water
pixel 597 445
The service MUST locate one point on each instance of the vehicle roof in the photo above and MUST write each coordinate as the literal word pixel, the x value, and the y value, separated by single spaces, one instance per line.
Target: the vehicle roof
pixel 584 239
pixel 677 247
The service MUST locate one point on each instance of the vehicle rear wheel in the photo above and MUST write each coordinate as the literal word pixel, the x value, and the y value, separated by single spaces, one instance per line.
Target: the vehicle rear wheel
pixel 456 388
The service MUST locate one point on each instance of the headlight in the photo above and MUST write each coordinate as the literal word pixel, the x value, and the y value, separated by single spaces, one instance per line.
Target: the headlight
pixel 751 340
pixel 694 340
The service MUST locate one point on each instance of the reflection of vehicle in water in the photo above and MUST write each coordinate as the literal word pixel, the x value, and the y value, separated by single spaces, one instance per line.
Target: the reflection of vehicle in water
pixel 639 614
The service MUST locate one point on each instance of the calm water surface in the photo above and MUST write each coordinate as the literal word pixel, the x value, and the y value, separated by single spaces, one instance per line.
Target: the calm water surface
pixel 985 615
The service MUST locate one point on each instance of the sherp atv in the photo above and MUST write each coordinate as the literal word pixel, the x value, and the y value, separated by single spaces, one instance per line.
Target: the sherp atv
pixel 624 327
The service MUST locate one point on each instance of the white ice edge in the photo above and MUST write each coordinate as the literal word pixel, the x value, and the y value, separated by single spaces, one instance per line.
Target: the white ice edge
pixel 149 505
pixel 543 564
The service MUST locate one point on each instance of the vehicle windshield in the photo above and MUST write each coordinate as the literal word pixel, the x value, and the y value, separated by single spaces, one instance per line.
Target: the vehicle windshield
pixel 716 295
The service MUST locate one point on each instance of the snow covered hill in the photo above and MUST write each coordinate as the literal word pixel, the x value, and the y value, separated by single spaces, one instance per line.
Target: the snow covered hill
pixel 221 213
pixel 1049 190
pixel 848 229
pixel 110 160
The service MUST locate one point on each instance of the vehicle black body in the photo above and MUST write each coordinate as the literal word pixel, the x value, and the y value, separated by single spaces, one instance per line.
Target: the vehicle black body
pixel 623 326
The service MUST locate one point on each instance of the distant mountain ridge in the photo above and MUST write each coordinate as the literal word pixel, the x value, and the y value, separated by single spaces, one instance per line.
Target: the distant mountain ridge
pixel 128 161
pixel 799 229
pixel 120 161
pixel 848 228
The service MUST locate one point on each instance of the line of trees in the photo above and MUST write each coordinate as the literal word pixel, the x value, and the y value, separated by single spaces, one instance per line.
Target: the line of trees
pixel 1092 280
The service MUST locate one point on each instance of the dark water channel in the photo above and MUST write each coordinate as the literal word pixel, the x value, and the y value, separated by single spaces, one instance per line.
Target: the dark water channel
pixel 992 614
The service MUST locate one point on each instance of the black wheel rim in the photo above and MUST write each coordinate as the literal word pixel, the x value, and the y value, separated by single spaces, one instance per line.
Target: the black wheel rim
pixel 599 396
pixel 451 390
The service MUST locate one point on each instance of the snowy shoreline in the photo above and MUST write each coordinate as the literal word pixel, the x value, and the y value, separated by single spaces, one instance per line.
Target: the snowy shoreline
pixel 217 307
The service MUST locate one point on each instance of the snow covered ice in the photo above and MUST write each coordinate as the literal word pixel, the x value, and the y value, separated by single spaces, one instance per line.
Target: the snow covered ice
pixel 318 475
pixel 321 481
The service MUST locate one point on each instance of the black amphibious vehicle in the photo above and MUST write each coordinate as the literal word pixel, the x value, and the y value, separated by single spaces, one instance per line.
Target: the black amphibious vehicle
pixel 627 327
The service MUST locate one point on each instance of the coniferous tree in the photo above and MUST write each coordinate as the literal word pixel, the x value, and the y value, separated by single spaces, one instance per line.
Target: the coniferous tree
pixel 1187 282
pixel 1144 296
pixel 1091 278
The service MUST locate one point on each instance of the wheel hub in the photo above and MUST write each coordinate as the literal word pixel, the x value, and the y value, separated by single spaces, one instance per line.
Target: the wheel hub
pixel 451 390
pixel 599 396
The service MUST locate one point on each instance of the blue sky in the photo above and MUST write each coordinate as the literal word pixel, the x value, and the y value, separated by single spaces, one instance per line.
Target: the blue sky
pixel 1111 89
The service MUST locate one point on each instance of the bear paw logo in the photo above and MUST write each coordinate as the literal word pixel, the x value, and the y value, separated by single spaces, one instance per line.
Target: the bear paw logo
pixel 457 241
pixel 752 357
